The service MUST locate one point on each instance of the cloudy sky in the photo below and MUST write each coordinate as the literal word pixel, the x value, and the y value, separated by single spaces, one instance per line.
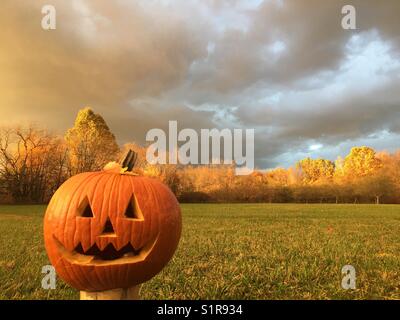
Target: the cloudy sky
pixel 283 67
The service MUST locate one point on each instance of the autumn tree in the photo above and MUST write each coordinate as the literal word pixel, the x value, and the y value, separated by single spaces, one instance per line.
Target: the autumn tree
pixel 168 174
pixel 316 170
pixel 90 143
pixel 390 166
pixel 376 186
pixel 278 176
pixel 360 162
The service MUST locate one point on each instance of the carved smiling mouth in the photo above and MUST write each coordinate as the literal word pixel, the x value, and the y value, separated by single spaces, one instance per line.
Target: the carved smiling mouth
pixel 108 256
pixel 109 252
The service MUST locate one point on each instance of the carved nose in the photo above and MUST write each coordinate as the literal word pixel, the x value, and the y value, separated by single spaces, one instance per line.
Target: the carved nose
pixel 108 230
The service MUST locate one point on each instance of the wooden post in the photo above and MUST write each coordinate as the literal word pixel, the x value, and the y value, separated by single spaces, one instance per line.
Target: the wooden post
pixel 115 294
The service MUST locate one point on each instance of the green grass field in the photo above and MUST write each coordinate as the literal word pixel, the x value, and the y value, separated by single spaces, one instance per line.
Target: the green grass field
pixel 238 251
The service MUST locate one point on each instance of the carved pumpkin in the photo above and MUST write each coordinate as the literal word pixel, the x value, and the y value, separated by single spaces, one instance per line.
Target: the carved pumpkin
pixel 106 230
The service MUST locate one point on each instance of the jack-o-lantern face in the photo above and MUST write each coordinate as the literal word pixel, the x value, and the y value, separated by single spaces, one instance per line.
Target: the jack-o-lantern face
pixel 105 230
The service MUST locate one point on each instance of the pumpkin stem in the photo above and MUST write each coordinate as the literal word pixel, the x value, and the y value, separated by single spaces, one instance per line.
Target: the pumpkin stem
pixel 129 160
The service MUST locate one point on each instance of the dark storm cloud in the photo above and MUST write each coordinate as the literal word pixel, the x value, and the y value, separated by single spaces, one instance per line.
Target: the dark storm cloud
pixel 311 31
pixel 206 64
pixel 102 54
pixel 352 118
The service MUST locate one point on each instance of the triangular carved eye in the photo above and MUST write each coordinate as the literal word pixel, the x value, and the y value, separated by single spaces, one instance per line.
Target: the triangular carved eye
pixel 87 213
pixel 133 211
pixel 85 210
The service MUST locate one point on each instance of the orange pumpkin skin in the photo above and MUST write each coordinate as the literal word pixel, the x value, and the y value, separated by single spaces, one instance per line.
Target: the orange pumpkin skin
pixel 70 237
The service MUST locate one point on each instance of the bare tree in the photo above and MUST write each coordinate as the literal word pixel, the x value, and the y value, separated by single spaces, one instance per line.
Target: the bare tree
pixel 32 163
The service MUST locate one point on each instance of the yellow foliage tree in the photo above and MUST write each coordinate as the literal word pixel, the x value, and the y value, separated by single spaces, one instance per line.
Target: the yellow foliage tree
pixel 316 170
pixel 361 162
pixel 90 143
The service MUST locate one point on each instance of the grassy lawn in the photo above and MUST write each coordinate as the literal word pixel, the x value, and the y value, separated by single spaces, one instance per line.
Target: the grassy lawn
pixel 238 251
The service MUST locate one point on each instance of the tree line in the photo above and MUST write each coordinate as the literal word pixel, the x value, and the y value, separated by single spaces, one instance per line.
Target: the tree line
pixel 363 176
pixel 34 163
